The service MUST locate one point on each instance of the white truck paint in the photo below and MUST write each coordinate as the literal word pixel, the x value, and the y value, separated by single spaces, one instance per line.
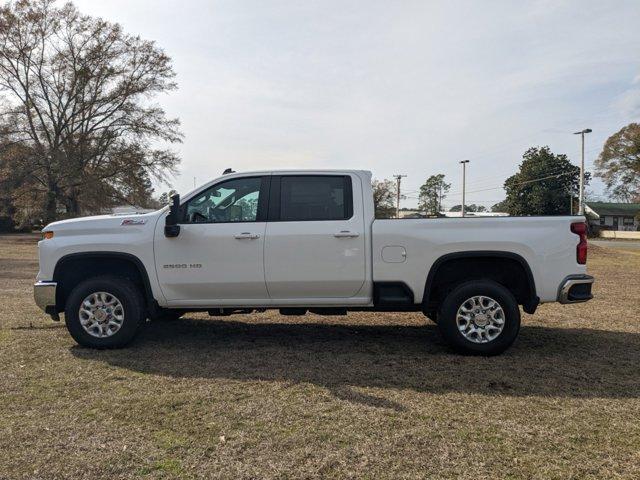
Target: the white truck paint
pixel 270 262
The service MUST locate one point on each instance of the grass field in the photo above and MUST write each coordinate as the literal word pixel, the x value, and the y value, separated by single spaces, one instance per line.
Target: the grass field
pixel 361 396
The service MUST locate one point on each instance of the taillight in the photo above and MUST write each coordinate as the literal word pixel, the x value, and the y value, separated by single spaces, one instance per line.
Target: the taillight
pixel 580 229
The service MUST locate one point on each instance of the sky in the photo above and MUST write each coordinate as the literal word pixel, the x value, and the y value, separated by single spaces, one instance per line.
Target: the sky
pixel 407 87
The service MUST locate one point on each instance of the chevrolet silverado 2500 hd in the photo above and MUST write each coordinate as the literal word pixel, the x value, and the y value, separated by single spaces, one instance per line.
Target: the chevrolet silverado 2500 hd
pixel 306 241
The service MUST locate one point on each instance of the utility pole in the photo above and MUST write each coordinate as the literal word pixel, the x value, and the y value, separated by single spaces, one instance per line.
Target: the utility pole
pixel 398 179
pixel 570 204
pixel 464 182
pixel 440 199
pixel 581 198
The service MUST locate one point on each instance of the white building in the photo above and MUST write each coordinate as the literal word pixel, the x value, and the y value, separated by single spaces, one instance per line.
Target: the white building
pixel 613 216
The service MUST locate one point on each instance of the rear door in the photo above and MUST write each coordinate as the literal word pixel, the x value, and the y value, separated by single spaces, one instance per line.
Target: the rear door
pixel 314 245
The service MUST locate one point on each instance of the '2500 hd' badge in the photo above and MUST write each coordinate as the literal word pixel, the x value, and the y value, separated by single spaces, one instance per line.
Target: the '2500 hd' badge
pixel 182 265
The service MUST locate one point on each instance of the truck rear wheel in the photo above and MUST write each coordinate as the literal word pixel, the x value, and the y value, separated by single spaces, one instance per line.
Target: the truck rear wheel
pixel 479 317
pixel 104 312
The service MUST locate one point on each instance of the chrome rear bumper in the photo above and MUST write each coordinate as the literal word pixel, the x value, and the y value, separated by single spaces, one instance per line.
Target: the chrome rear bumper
pixel 575 289
pixel 44 293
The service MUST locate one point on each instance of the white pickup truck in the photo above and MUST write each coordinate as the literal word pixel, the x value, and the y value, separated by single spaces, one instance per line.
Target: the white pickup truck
pixel 306 241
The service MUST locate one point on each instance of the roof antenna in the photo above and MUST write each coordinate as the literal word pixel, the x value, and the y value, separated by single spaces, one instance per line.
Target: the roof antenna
pixel 228 170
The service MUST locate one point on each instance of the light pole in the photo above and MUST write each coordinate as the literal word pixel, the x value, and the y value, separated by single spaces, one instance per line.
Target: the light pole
pixel 581 197
pixel 464 181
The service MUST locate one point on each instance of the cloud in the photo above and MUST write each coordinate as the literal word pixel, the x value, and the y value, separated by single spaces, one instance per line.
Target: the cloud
pixel 395 87
pixel 628 103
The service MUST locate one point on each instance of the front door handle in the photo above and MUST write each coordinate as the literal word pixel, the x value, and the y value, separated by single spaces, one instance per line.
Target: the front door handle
pixel 246 235
pixel 346 234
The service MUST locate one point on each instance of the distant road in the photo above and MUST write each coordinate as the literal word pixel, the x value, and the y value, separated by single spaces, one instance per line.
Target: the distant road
pixel 618 244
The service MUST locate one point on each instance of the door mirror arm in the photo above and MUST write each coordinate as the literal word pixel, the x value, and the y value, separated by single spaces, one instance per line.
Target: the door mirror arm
pixel 171 227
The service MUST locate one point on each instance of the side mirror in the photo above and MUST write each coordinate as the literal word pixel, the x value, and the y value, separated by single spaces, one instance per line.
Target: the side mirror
pixel 171 227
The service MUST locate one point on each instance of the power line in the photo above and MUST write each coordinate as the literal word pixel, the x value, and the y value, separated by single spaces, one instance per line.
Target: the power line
pixel 482 154
pixel 528 181
pixel 549 171
pixel 513 184
pixel 489 180
pixel 555 174
pixel 552 172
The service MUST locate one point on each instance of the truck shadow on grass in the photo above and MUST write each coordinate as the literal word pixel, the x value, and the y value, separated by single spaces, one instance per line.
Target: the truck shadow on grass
pixel 544 361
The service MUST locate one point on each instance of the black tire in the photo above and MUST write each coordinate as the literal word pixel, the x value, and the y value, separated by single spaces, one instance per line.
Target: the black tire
pixel 447 322
pixel 132 303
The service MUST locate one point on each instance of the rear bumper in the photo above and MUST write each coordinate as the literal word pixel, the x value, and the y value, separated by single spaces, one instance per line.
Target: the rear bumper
pixel 575 289
pixel 44 293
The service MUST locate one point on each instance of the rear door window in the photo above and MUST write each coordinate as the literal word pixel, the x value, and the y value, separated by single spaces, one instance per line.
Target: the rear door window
pixel 314 197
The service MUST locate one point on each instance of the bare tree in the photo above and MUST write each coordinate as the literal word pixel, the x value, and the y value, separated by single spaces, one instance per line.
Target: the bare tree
pixel 384 197
pixel 619 163
pixel 79 94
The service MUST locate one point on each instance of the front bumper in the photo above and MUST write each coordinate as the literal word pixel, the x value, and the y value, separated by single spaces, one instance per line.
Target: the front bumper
pixel 575 289
pixel 44 293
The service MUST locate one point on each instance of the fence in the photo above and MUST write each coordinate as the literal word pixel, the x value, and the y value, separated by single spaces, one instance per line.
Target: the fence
pixel 620 234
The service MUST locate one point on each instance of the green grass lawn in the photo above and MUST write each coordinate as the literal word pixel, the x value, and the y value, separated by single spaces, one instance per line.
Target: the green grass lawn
pixel 361 396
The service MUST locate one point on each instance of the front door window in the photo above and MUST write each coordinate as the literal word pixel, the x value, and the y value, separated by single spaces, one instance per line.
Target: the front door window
pixel 235 200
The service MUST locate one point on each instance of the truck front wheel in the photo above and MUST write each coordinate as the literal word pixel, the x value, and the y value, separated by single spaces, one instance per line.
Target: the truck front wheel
pixel 479 317
pixel 104 312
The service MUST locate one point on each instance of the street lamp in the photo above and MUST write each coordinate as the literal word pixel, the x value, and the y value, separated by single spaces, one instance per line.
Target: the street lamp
pixel 464 182
pixel 581 197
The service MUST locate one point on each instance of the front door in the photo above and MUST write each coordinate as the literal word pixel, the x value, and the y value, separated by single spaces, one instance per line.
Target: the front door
pixel 218 256
pixel 315 238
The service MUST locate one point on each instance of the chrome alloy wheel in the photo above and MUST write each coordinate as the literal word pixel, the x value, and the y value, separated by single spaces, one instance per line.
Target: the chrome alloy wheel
pixel 480 319
pixel 101 314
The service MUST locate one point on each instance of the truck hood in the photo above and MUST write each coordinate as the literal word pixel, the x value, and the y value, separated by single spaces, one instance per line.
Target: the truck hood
pixel 114 222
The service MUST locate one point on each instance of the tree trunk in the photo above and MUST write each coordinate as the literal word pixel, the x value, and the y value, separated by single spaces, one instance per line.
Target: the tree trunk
pixel 50 210
pixel 72 205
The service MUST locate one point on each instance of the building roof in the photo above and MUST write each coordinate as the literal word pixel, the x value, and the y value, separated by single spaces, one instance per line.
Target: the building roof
pixel 606 208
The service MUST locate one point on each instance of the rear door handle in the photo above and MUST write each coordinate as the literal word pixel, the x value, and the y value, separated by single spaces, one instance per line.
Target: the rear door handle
pixel 246 235
pixel 346 234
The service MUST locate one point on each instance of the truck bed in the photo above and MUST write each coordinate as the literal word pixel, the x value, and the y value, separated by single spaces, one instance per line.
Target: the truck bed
pixel 404 250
